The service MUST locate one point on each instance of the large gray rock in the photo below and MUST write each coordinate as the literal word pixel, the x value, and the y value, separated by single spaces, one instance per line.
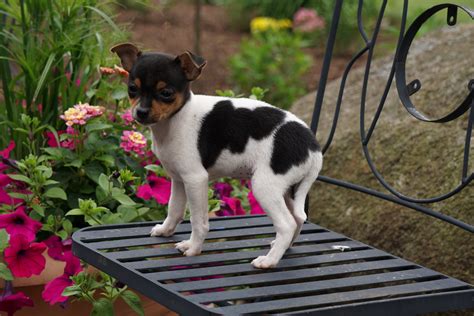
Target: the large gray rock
pixel 418 159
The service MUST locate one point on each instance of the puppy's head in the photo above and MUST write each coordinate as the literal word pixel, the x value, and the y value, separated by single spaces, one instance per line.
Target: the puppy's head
pixel 158 84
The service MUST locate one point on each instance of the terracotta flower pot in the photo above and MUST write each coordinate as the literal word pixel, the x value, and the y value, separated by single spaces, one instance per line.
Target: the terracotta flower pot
pixel 52 269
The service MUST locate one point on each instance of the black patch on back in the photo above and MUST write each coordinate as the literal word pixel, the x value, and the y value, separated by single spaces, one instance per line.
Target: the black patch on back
pixel 226 127
pixel 291 147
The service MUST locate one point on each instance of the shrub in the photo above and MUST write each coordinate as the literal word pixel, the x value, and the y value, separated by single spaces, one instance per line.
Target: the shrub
pixel 271 59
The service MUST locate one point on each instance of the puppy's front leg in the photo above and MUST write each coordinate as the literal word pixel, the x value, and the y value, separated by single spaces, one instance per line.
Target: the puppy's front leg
pixel 176 208
pixel 196 191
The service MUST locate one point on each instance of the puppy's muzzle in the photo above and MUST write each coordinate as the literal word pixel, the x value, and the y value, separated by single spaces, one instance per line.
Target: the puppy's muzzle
pixel 142 114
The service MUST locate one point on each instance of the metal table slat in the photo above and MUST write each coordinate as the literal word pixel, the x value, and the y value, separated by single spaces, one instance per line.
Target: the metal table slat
pixel 135 242
pixel 144 231
pixel 235 256
pixel 308 287
pixel 338 298
pixel 226 245
pixel 312 276
pixel 293 275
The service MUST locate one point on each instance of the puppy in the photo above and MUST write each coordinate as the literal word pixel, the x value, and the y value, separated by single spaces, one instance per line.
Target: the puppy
pixel 199 138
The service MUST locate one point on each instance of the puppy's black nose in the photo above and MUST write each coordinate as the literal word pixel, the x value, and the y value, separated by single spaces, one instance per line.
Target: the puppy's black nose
pixel 142 113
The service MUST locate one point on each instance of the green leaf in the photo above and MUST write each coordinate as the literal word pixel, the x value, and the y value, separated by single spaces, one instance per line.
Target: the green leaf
pixel 3 240
pixel 49 182
pixel 102 307
pixel 75 211
pixel 56 193
pixel 92 127
pixel 123 199
pixel 20 177
pixel 45 72
pixel 104 182
pixel 93 171
pixel 62 234
pixel 67 225
pixel 133 301
pixel 108 160
pixel 119 94
pixel 75 163
pixel 38 208
pixel 5 273
pixel 72 290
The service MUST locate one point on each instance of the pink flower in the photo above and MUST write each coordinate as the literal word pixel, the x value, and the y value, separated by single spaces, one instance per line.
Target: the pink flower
pixel 133 142
pixel 57 248
pixel 54 289
pixel 106 71
pixel 307 20
pixel 80 113
pixel 19 223
pixel 255 208
pixel 23 257
pixel 11 303
pixel 222 189
pixel 6 154
pixel 122 72
pixel 231 207
pixel 127 117
pixel 158 187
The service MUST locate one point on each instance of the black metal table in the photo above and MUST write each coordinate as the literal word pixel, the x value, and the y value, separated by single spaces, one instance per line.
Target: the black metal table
pixel 324 272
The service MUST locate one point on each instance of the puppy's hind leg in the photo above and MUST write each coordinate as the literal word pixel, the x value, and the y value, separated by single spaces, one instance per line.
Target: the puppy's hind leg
pixel 270 197
pixel 176 208
pixel 301 191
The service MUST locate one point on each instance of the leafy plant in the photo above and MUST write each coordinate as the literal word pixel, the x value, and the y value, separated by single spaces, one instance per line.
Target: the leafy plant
pixel 86 285
pixel 272 59
pixel 50 52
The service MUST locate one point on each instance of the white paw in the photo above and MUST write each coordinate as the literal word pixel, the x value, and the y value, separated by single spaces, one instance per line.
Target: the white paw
pixel 272 243
pixel 188 248
pixel 161 230
pixel 264 262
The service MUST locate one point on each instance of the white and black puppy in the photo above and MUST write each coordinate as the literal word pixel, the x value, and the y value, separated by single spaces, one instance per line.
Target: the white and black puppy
pixel 199 138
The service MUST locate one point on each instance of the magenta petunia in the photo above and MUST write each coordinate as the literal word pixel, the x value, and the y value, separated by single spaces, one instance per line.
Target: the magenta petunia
pixel 222 189
pixel 23 257
pixel 11 303
pixel 231 206
pixel 255 207
pixel 57 247
pixel 19 223
pixel 6 154
pixel 9 185
pixel 158 187
pixel 54 289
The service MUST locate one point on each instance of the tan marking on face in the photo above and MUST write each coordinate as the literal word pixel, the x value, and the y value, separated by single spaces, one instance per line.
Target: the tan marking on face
pixel 162 110
pixel 138 83
pixel 160 85
pixel 134 101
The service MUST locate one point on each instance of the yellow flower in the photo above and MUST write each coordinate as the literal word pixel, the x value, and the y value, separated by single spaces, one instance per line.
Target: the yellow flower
pixel 262 23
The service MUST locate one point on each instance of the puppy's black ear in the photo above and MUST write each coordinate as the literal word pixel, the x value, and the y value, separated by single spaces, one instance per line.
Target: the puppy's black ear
pixel 191 64
pixel 128 54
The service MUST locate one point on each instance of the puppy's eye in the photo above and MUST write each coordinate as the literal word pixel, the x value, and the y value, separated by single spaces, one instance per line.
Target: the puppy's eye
pixel 132 91
pixel 167 93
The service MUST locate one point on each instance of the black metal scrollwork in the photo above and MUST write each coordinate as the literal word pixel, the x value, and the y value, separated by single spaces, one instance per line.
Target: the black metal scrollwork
pixel 404 91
